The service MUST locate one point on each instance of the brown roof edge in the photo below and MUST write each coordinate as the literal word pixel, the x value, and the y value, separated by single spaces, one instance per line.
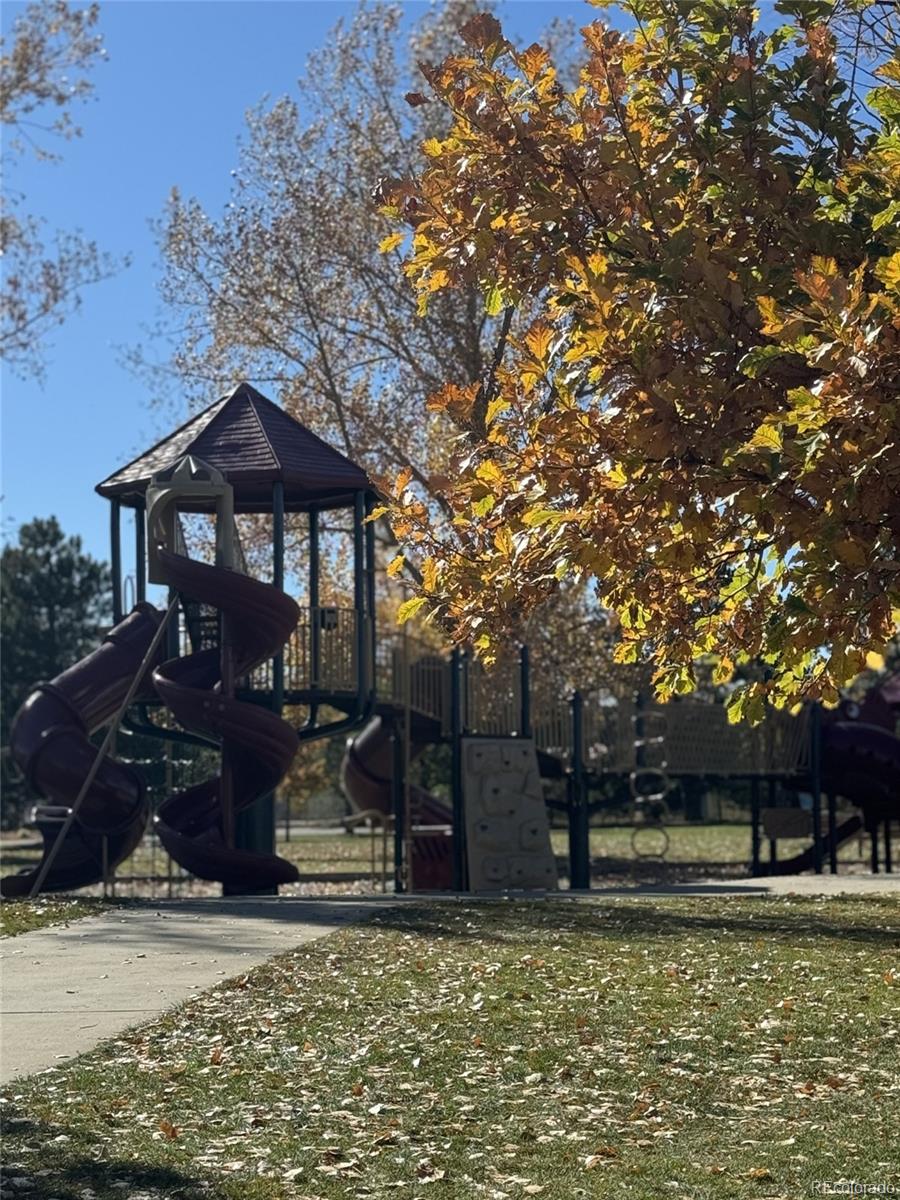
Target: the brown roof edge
pixel 132 478
pixel 106 483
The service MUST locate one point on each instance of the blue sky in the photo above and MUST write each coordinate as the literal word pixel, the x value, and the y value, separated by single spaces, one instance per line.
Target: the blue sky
pixel 169 109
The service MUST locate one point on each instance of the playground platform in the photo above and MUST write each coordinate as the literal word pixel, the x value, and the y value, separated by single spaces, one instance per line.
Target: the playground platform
pixel 67 988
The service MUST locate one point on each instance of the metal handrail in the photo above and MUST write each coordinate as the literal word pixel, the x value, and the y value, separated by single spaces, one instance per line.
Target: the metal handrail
pixel 386 821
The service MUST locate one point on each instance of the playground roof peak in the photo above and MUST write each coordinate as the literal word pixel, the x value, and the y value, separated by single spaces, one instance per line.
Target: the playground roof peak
pixel 254 443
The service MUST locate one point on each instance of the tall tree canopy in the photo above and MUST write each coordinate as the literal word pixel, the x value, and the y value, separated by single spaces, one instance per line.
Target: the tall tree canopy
pixel 696 251
pixel 55 601
pixel 43 74
pixel 288 287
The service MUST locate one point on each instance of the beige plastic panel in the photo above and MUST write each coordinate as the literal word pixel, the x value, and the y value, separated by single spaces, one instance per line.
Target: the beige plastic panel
pixel 507 833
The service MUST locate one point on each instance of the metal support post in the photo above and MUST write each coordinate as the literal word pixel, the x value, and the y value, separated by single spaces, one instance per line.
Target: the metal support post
pixel 456 733
pixel 816 759
pixel 832 833
pixel 115 558
pixel 579 815
pixel 524 693
pixel 140 552
pixel 756 865
pixel 398 801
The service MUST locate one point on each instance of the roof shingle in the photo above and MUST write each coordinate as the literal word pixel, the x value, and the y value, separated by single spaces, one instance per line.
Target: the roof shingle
pixel 253 443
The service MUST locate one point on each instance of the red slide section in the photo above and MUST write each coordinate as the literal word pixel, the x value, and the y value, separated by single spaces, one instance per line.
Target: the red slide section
pixel 50 742
pixel 258 745
pixel 367 779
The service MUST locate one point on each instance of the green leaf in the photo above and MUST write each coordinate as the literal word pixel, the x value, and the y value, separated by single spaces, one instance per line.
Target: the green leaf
pixel 757 361
pixel 493 301
pixel 886 102
pixel 409 608
pixel 887 215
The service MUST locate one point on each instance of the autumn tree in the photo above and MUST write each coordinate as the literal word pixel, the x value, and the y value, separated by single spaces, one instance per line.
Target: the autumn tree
pixel 44 73
pixel 700 415
pixel 296 285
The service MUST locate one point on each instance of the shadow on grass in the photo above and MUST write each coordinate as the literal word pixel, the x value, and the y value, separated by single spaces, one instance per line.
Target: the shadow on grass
pixel 70 1171
pixel 507 920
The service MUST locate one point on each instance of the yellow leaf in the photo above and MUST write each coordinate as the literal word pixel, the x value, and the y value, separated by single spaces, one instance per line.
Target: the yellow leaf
pixel 489 472
pixel 433 147
pixel 429 574
pixel 538 338
pixel 616 478
pixel 496 406
pixel 402 480
pixel 409 608
pixel 769 313
pixel 888 271
pixel 396 566
pixel 503 540
pixel 391 242
pixel 874 661
pixel 767 437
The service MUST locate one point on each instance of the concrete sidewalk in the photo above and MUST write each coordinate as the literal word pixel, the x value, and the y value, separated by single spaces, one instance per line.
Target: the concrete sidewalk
pixel 66 988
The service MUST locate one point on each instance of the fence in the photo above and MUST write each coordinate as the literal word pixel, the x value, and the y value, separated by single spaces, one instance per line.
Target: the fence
pixel 414 677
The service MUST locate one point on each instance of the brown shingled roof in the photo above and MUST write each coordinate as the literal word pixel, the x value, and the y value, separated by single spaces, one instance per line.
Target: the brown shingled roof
pixel 253 443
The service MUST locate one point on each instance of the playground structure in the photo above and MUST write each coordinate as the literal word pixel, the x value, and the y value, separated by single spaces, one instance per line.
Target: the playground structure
pixel 232 656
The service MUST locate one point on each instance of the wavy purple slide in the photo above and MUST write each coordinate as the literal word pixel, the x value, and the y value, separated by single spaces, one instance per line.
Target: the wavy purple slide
pixel 50 742
pixel 367 779
pixel 861 762
pixel 259 745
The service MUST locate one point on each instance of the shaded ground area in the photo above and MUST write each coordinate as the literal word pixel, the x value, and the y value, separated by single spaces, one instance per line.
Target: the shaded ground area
pixel 706 1046
pixel 335 863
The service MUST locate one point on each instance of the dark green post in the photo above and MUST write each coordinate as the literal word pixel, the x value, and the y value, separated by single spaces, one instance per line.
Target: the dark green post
pixel 398 800
pixel 832 833
pixel 115 555
pixel 370 595
pixel 278 581
pixel 524 693
pixel 579 815
pixel 359 591
pixel 816 755
pixel 255 826
pixel 140 552
pixel 456 733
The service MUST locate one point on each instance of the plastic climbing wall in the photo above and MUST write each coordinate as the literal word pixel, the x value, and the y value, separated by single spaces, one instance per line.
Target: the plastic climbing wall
pixel 507 834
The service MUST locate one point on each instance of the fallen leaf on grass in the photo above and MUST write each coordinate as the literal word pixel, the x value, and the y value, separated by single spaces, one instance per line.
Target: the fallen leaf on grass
pixel 604 1154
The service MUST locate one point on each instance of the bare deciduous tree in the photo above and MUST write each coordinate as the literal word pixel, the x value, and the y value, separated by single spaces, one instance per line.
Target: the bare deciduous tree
pixel 43 75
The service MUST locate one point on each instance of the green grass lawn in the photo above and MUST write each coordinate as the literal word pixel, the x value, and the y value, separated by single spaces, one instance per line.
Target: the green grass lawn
pixel 709 1047
pixel 23 916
